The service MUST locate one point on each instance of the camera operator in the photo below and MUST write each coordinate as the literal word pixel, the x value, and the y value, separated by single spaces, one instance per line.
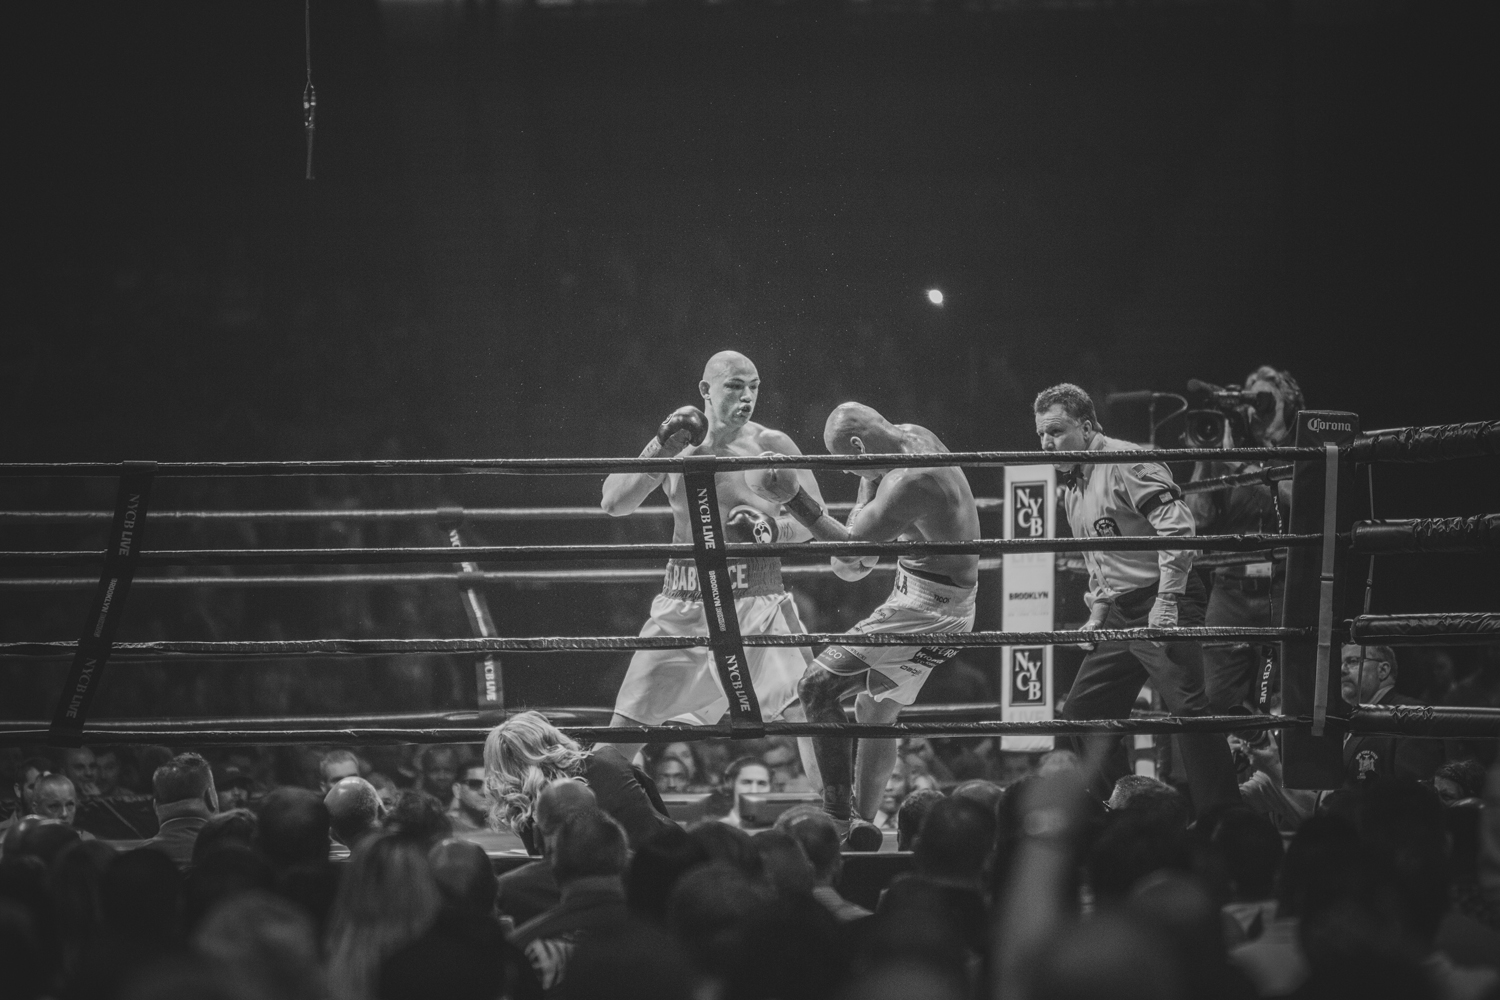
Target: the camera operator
pixel 1245 595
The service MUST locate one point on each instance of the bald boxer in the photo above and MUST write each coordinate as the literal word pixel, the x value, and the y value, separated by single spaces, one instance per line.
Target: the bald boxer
pixel 682 685
pixel 931 594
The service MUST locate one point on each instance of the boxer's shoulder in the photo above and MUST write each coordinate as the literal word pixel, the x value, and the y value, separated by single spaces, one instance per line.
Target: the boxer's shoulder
pixel 770 439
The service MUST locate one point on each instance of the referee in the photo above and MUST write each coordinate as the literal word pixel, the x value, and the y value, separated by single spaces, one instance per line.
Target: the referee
pixel 1131 590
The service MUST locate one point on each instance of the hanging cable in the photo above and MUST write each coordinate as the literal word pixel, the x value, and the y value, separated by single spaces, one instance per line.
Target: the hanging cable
pixel 309 94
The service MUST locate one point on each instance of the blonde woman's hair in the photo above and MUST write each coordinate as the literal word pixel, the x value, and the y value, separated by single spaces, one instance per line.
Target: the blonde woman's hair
pixel 386 900
pixel 522 756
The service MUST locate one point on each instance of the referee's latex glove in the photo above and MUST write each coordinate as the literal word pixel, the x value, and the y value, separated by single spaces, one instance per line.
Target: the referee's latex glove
pixel 1096 620
pixel 1163 613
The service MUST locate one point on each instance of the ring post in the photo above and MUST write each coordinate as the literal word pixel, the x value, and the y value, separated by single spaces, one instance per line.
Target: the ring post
pixel 718 598
pixel 1326 498
pixel 126 533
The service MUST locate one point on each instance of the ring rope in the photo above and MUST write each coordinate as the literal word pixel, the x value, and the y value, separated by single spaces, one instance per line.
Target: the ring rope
pixel 683 550
pixel 1419 629
pixel 985 505
pixel 393 647
pixel 437 515
pixel 1439 442
pixel 519 577
pixel 1425 721
pixel 594 466
pixel 1479 533
pixel 1261 477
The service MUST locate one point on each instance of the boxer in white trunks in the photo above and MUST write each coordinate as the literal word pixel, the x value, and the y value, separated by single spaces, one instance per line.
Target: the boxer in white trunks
pixel 682 685
pixel 931 594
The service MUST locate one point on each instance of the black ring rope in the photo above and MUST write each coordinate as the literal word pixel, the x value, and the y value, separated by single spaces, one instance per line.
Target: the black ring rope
pixel 394 647
pixel 1426 721
pixel 537 553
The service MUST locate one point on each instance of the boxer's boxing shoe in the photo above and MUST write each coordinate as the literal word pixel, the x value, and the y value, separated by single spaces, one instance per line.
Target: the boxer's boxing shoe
pixel 863 836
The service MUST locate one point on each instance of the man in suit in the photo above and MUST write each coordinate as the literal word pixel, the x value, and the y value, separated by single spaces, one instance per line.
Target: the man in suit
pixel 1368 677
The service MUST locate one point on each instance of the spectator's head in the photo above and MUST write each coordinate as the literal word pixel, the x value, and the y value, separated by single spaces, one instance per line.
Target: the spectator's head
pixel 659 861
pixel 420 817
pixel 1110 957
pixel 1458 780
pixel 1315 852
pixel 1250 849
pixel 76 873
pixel 237 826
pixel 819 838
pixel 1065 419
pixel 522 756
pixel 956 841
pixel 267 940
pixel 787 868
pixel 184 784
pixel 82 768
pixel 55 798
pixel 671 775
pixel 439 766
pixel 1403 822
pixel 386 899
pixel 107 765
pixel 1054 761
pixel 1135 843
pixel 354 810
pixel 896 788
pixel 469 791
pixel 140 897
pixel 226 871
pixel 634 962
pixel 1274 425
pixel 588 844
pixel 39 837
pixel 912 814
pixel 728 844
pixel 986 793
pixel 385 788
pixel 558 802
pixel 1139 793
pixel 27 775
pixel 708 906
pixel 293 827
pixel 1366 672
pixel 234 785
pixel 746 776
pixel 1182 907
pixel 464 875
pixel 337 765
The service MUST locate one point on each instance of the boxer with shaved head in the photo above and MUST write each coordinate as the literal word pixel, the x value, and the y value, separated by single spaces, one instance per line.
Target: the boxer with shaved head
pixel 931 594
pixel 681 685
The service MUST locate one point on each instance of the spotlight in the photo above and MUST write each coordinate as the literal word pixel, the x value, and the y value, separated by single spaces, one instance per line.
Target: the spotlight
pixel 935 296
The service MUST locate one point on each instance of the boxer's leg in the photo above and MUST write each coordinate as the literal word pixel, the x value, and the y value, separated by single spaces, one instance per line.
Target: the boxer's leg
pixel 876 758
pixel 835 672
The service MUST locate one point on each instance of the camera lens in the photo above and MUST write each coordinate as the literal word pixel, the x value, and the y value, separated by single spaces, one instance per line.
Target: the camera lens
pixel 1204 429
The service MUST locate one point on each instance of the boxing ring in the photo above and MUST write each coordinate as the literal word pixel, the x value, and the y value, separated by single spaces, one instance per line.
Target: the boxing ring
pixel 1326 549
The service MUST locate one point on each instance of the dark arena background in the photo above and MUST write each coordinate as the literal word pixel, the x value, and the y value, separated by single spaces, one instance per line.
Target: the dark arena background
pixel 532 223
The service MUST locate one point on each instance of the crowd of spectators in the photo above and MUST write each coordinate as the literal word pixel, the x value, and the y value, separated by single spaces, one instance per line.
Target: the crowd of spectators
pixel 356 875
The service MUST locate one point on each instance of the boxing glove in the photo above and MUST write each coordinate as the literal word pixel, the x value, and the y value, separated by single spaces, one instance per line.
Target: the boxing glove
pixel 685 426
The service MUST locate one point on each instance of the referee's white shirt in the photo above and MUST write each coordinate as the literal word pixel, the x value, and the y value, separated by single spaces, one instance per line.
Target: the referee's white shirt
pixel 1118 499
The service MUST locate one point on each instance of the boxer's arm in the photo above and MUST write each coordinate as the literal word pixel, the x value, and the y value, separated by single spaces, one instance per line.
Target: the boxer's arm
pixel 625 491
pixel 782 444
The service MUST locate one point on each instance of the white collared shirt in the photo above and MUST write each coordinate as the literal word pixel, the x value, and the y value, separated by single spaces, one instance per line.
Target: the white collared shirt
pixel 1119 499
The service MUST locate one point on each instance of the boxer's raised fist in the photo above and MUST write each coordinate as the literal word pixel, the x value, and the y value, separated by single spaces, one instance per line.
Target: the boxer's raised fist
pixel 685 426
pixel 746 524
pixel 777 485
